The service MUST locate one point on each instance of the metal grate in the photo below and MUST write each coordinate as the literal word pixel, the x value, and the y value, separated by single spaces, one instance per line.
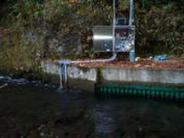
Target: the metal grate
pixel 110 90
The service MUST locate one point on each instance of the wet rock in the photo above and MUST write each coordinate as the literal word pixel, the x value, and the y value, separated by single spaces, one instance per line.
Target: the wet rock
pixel 53 86
pixel 21 81
pixel 41 127
pixel 1 77
pixel 140 129
pixel 46 85
pixel 5 78
pixel 42 134
pixel 33 81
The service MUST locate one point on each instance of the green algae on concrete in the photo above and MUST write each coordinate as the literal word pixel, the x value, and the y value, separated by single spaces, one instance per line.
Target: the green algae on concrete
pixel 140 90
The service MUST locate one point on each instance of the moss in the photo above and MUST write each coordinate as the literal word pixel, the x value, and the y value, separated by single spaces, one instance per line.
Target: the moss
pixel 99 75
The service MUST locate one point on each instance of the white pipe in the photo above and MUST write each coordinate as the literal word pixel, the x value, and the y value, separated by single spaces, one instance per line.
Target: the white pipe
pixel 96 60
pixel 100 37
pixel 65 63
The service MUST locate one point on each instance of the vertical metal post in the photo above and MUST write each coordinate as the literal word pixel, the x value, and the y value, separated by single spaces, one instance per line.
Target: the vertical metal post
pixel 132 55
pixel 60 76
pixel 114 25
pixel 65 76
pixel 131 20
pixel 131 7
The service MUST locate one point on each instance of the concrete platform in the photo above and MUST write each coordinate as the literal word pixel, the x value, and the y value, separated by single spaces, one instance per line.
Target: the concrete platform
pixel 86 78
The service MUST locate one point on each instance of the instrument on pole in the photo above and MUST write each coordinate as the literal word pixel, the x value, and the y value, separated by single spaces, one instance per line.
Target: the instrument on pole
pixel 120 36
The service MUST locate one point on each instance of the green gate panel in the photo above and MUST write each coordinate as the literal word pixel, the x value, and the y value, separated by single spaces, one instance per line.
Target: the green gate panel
pixel 162 92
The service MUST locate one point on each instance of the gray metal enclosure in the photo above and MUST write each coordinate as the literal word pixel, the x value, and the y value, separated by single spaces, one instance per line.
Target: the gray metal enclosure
pixel 118 37
pixel 103 38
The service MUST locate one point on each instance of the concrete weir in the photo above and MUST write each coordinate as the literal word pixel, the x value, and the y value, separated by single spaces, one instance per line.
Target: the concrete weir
pixel 86 78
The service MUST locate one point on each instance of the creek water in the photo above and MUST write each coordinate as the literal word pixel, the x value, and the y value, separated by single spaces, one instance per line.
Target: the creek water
pixel 29 110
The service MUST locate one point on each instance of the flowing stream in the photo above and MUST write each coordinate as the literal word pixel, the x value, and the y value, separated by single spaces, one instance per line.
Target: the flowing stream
pixel 32 109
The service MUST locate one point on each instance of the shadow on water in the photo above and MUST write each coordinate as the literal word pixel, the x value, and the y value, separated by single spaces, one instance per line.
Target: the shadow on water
pixel 131 117
pixel 141 119
pixel 39 111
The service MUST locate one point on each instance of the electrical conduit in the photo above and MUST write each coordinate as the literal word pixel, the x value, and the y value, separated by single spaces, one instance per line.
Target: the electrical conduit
pixel 64 63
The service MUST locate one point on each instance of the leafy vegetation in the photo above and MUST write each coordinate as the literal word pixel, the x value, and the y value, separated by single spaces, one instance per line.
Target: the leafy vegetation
pixel 160 29
pixel 42 29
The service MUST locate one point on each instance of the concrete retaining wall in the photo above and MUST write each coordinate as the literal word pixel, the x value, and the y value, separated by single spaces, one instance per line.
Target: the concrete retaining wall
pixel 144 75
pixel 85 78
